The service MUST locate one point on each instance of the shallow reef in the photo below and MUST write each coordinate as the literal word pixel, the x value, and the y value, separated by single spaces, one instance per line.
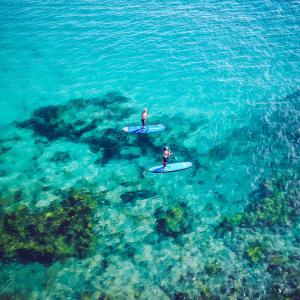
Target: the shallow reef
pixel 91 121
pixel 212 267
pixel 173 221
pixel 286 281
pixel 219 152
pixel 60 231
pixel 270 205
pixel 132 196
pixel 201 234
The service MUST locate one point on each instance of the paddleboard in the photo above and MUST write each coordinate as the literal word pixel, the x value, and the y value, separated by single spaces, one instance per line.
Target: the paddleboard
pixel 171 167
pixel 147 129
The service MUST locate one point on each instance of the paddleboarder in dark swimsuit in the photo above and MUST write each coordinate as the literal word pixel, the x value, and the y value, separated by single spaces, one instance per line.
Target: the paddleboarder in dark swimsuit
pixel 166 154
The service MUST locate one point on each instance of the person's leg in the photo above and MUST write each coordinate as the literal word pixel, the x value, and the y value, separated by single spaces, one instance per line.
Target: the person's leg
pixel 143 123
pixel 164 162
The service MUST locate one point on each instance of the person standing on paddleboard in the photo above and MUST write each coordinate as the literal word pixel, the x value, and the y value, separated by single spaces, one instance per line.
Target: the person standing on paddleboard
pixel 166 154
pixel 144 117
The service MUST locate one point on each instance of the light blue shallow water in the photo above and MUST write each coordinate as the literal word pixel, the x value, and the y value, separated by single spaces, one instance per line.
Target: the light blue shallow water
pixel 224 79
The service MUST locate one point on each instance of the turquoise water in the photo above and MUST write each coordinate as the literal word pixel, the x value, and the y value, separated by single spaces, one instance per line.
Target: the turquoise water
pixel 224 79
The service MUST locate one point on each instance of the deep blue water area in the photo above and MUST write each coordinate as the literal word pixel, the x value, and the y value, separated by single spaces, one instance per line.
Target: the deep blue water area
pixel 81 218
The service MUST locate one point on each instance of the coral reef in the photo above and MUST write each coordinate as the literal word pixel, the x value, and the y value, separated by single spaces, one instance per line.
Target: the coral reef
pixel 61 231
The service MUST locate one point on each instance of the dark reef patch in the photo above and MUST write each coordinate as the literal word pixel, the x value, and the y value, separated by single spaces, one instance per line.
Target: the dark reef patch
pixel 60 121
pixel 285 281
pixel 61 231
pixel 173 221
pixel 60 156
pixel 146 145
pixel 4 150
pixel 212 268
pixel 132 196
pixel 48 122
pixel 219 152
pixel 110 139
pixel 181 296
pixel 83 121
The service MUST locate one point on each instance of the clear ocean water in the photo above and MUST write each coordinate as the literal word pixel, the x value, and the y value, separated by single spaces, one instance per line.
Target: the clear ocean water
pixel 222 76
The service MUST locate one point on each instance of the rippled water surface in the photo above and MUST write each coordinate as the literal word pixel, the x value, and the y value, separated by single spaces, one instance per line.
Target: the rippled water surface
pixel 80 216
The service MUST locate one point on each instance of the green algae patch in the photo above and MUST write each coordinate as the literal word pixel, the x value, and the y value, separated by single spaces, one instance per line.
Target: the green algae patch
pixel 15 296
pixel 270 206
pixel 61 231
pixel 172 222
pixel 212 268
pixel 203 290
pixel 256 252
pixel 228 224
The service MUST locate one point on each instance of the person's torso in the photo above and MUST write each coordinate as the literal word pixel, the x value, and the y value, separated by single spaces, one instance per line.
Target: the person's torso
pixel 166 153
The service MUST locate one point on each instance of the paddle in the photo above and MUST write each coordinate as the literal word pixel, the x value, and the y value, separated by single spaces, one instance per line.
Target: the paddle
pixel 173 155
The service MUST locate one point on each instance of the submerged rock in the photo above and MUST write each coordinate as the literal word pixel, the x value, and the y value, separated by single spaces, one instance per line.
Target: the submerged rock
pixel 15 296
pixel 110 139
pixel 219 152
pixel 81 121
pixel 132 196
pixel 212 268
pixel 173 221
pixel 61 231
pixel 228 224
pixel 285 282
pixel 60 156
pixel 48 122
pixel 203 290
pixel 181 296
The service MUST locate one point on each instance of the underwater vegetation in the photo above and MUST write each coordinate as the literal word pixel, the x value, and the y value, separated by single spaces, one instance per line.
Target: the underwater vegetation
pixel 173 221
pixel 213 267
pixel 256 252
pixel 58 232
pixel 271 205
pixel 81 142
pixel 285 280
